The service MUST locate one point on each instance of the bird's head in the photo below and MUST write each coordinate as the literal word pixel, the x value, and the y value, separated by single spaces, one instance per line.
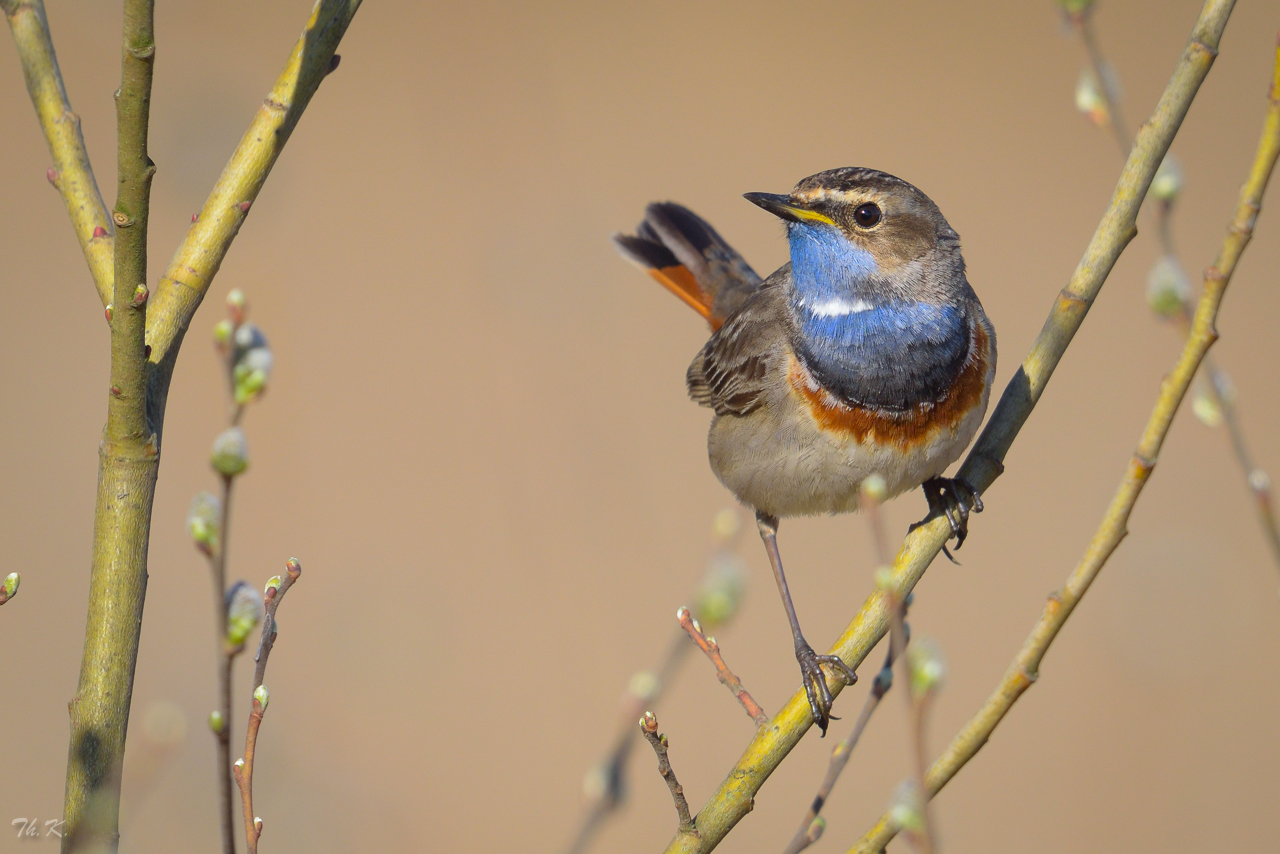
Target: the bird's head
pixel 854 229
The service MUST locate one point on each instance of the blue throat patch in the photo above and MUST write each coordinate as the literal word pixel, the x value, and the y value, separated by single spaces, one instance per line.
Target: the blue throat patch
pixel 860 345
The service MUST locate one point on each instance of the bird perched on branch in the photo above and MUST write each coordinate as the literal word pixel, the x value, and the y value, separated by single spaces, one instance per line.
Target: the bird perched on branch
pixel 867 354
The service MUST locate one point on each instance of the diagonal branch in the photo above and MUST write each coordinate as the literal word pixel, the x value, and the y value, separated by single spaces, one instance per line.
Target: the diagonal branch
pixel 198 258
pixel 1024 670
pixel 985 462
pixel 71 173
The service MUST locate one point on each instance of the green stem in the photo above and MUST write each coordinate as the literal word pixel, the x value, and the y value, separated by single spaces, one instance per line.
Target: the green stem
pixel 128 465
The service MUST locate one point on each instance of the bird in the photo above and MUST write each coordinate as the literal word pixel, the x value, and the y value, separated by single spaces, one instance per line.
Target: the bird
pixel 868 353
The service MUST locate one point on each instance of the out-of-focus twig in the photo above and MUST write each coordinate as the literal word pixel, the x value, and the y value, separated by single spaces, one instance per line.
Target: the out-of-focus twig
pixel 726 676
pixel 1024 670
pixel 718 599
pixel 985 462
pixel 649 727
pixel 1218 387
pixel 812 825
pixel 872 492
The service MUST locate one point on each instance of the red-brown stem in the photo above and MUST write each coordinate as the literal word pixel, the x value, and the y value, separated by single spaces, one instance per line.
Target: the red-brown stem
pixel 723 673
pixel 649 727
pixel 244 778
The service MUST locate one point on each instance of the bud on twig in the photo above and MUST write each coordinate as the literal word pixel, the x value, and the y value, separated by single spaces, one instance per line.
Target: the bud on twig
pixel 1089 98
pixel 1167 183
pixel 10 588
pixel 721 592
pixel 927 667
pixel 244 610
pixel 216 722
pixel 261 696
pixel 203 519
pixel 230 454
pixel 1168 287
pixel 907 810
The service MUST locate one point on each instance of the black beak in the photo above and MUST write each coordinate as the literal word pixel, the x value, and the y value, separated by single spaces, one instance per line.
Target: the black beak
pixel 787 208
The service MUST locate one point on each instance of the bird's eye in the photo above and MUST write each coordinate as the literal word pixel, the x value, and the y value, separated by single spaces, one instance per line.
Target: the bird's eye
pixel 867 215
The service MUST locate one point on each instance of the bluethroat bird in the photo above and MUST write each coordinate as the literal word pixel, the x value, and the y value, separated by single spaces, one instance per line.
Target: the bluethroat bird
pixel 867 354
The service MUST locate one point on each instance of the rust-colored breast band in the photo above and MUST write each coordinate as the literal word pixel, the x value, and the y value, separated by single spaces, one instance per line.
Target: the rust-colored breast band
pixel 905 430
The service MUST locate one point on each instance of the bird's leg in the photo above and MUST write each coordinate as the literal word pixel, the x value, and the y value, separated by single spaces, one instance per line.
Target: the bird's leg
pixel 815 681
pixel 955 499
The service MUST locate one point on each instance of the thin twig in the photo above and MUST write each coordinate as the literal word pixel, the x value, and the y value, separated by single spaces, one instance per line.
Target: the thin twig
pixel 243 768
pixel 898 640
pixel 612 769
pixel 1083 22
pixel 1218 387
pixel 649 727
pixel 71 174
pixel 840 756
pixel 226 658
pixel 735 797
pixel 1024 670
pixel 726 676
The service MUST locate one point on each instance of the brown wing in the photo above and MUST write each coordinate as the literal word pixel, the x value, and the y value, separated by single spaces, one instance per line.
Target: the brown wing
pixel 688 257
pixel 732 372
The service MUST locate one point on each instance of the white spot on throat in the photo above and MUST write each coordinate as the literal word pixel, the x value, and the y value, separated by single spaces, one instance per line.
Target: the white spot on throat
pixel 836 307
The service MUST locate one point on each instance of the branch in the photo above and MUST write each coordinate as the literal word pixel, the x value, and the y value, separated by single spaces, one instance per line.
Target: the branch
pixel 128 464
pixel 723 673
pixel 1218 388
pixel 197 260
pixel 243 769
pixel 649 727
pixel 71 174
pixel 1024 670
pixel 985 462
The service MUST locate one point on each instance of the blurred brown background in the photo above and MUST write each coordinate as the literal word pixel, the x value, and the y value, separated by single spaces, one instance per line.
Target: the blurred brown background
pixel 478 442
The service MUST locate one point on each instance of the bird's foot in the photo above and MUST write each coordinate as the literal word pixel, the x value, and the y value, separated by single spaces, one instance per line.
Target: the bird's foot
pixel 815 681
pixel 955 499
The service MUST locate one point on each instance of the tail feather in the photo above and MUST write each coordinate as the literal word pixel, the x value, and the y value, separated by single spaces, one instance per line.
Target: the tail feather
pixel 688 257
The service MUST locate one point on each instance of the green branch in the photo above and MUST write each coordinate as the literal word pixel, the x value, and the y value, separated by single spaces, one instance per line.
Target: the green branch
pixel 1024 670
pixel 197 260
pixel 984 464
pixel 128 465
pixel 71 173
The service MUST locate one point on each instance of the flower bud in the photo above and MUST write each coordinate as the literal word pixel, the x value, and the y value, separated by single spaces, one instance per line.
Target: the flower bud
pixel 721 591
pixel 230 452
pixel 874 488
pixel 1168 288
pixel 261 696
pixel 726 525
pixel 1167 182
pixel 643 685
pixel 216 721
pixel 244 610
pixel 237 305
pixel 223 331
pixel 11 582
pixel 1089 98
pixel 203 519
pixel 906 812
pixel 924 659
pixel 1206 408
pixel 273 584
pixel 1075 7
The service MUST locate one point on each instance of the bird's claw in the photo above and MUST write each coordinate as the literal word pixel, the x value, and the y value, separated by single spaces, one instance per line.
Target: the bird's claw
pixel 955 499
pixel 815 682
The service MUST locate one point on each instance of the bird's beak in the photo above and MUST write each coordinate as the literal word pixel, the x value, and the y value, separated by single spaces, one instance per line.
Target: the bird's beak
pixel 787 208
